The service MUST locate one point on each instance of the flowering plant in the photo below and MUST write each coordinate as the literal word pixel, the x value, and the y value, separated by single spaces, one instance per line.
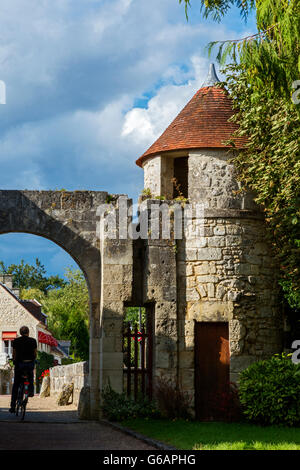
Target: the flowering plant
pixel 225 404
pixel 46 373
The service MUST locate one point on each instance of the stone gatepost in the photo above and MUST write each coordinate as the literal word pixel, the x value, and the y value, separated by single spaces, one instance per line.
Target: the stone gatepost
pixel 117 276
pixel 160 290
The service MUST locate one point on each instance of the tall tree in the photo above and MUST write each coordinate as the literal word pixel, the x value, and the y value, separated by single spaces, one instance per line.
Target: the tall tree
pixel 27 276
pixel 270 57
pixel 68 312
pixel 67 308
pixel 264 82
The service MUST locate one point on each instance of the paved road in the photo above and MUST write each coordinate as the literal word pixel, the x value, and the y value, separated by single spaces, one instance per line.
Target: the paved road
pixel 48 428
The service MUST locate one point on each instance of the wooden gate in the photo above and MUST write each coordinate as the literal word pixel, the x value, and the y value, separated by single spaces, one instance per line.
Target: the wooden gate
pixel 137 348
pixel 212 359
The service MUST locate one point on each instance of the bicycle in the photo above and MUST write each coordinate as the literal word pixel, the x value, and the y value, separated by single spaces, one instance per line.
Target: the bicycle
pixel 22 398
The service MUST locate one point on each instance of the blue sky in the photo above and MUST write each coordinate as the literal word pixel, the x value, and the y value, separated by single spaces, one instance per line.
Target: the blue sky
pixel 90 86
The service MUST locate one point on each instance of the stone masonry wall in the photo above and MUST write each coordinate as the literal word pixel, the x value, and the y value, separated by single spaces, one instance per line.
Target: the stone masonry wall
pixel 160 290
pixel 68 219
pixel 227 275
pixel 152 175
pixel 78 373
pixel 224 274
pixel 6 381
pixel 116 290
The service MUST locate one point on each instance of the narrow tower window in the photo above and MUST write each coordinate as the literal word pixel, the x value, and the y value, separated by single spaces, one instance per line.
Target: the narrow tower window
pixel 180 181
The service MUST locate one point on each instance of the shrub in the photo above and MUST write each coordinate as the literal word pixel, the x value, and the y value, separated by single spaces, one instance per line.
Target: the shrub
pixel 225 404
pixel 269 391
pixel 118 407
pixel 44 361
pixel 171 400
pixel 65 361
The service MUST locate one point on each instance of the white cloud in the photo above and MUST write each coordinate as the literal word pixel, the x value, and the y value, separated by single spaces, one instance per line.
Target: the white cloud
pixel 74 72
pixel 145 125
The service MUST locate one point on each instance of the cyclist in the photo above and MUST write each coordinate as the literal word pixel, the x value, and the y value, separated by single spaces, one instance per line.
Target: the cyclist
pixel 24 355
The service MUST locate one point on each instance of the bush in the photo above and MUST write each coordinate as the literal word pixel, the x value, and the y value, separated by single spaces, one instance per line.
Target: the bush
pixel 65 361
pixel 118 407
pixel 171 400
pixel 44 361
pixel 269 391
pixel 225 404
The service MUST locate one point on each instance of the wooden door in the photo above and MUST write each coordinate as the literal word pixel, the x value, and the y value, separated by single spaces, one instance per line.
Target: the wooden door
pixel 211 368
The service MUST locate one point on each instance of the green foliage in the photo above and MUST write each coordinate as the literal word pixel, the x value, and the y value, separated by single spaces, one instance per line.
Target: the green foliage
pixel 117 406
pixel 172 401
pixel 218 8
pixel 26 276
pixel 65 361
pixel 33 293
pixel 146 194
pixel 77 332
pixel 132 315
pixel 44 362
pixel 260 82
pixel 271 57
pixel 270 166
pixel 68 312
pixel 269 391
pixel 199 435
pixel 109 198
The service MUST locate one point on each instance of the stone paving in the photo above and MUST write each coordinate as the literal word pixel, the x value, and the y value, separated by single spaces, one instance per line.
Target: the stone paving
pixel 49 427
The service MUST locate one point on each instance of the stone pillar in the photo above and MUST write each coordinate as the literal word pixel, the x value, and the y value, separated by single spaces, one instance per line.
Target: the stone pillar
pixel 160 289
pixel 117 277
pixel 152 175
pixel 158 174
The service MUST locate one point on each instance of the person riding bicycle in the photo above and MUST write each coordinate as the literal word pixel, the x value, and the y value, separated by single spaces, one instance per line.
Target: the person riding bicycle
pixel 24 355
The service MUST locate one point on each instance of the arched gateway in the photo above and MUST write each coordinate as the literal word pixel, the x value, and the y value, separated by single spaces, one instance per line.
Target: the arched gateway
pixel 69 219
pixel 210 293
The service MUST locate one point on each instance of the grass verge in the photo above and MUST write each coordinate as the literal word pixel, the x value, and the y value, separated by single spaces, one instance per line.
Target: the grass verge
pixel 194 435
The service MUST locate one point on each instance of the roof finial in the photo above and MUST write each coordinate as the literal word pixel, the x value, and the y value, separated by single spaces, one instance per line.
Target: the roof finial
pixel 211 78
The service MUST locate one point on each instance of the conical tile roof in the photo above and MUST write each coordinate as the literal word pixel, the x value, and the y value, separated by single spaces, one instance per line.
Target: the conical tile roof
pixel 203 123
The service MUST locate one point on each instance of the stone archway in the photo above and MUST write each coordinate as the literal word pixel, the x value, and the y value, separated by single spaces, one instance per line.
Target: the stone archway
pixel 69 220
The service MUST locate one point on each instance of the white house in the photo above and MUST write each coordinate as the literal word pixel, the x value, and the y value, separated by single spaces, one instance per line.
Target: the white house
pixel 15 313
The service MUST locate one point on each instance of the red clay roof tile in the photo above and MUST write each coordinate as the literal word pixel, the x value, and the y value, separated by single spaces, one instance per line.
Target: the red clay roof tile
pixel 203 123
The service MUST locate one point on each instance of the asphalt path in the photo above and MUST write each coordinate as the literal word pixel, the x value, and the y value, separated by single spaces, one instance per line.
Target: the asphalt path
pixel 48 427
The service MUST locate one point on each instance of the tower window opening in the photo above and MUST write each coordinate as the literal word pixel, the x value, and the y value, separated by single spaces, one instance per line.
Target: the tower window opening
pixel 180 179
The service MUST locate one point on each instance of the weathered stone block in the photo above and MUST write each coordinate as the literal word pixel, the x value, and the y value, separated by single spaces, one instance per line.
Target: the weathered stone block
pixel 204 254
pixel 203 268
pixel 217 241
pixel 186 360
pixel 219 230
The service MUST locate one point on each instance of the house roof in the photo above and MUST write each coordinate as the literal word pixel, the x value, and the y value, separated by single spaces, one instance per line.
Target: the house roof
pixel 35 308
pixel 21 302
pixel 59 351
pixel 203 123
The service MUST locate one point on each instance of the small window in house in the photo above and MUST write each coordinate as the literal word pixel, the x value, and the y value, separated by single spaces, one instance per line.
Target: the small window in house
pixel 180 180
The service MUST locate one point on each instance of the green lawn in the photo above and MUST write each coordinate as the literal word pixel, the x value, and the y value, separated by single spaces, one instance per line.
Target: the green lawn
pixel 217 436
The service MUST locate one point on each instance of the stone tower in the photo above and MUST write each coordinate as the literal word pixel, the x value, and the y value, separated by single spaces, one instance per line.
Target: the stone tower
pixel 215 296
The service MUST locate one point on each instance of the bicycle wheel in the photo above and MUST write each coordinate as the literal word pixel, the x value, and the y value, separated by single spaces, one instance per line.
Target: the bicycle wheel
pixel 23 410
pixel 20 399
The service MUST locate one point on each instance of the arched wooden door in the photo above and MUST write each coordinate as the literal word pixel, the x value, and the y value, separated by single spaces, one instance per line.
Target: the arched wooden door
pixel 212 359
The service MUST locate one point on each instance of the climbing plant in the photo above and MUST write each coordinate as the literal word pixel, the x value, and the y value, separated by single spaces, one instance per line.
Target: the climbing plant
pixel 270 165
pixel 270 57
pixel 261 79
